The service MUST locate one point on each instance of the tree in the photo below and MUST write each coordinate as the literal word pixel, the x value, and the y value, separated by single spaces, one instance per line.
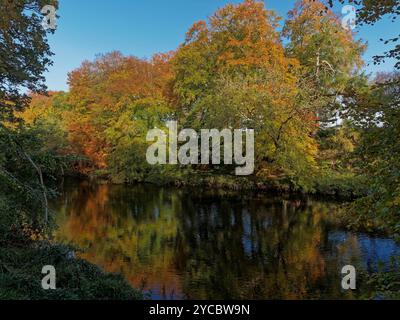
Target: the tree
pixel 375 111
pixel 24 56
pixel 330 58
pixel 233 72
pixel 103 95
pixel 238 38
pixel 24 53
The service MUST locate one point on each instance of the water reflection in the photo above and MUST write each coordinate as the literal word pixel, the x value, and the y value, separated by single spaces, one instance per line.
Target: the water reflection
pixel 214 245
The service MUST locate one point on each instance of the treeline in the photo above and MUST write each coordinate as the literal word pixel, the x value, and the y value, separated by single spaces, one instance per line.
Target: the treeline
pixel 232 71
pixel 321 124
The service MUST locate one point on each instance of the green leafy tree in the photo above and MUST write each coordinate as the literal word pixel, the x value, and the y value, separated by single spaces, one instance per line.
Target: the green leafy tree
pixel 24 56
pixel 330 58
pixel 24 53
pixel 375 111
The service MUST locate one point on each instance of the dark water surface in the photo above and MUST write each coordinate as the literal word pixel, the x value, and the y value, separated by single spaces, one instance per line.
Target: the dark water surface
pixel 203 244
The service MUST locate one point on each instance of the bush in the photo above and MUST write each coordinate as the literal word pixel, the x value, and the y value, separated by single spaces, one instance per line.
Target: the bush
pixel 76 279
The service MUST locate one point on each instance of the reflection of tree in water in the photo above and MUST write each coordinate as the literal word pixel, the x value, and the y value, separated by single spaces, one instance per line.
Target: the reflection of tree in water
pixel 256 249
pixel 194 245
pixel 128 231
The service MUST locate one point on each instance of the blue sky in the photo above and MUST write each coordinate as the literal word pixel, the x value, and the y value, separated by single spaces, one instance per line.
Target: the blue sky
pixel 142 28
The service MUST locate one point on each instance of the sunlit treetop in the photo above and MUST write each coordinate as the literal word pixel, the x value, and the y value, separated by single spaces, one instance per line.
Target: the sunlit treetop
pixel 240 38
pixel 327 52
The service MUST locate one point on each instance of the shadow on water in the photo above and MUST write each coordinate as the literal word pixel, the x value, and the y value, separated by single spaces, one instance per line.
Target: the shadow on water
pixel 196 244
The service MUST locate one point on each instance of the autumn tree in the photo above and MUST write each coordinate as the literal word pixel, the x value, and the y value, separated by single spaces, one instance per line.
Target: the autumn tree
pixel 232 71
pixel 330 58
pixel 102 95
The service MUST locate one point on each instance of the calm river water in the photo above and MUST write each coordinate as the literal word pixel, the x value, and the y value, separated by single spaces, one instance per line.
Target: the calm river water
pixel 203 244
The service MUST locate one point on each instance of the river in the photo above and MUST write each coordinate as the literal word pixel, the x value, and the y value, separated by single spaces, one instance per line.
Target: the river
pixel 214 244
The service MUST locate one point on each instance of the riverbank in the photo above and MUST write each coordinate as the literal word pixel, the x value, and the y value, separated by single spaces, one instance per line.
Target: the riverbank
pixel 76 279
pixel 341 186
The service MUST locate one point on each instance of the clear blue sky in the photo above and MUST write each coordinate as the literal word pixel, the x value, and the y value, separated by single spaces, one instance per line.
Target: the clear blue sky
pixel 142 28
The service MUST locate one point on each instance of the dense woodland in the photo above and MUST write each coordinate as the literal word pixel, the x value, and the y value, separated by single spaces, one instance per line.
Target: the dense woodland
pixel 322 125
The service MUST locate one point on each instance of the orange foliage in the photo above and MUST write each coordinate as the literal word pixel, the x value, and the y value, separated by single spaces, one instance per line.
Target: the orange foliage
pixel 102 88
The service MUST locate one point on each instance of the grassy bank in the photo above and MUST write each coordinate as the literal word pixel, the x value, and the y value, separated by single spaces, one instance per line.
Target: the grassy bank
pixel 76 279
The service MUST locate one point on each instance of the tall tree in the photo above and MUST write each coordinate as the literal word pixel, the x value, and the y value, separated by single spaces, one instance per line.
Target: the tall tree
pixel 232 71
pixel 24 56
pixel 330 58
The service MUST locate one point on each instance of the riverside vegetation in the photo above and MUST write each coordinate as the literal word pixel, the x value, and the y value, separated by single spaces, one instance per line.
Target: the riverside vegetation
pixel 321 124
pixel 28 170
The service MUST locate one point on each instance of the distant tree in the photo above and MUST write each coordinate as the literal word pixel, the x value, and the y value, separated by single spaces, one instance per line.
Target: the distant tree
pixel 103 94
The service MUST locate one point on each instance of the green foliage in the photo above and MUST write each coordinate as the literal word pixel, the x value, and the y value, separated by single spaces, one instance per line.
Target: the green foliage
pixel 127 136
pixel 25 53
pixel 45 117
pixel 385 282
pixel 20 277
pixel 23 205
pixel 24 57
pixel 336 161
pixel 375 111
